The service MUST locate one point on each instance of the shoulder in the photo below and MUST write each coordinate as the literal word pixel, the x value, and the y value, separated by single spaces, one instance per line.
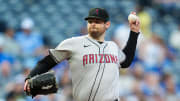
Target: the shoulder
pixel 73 39
pixel 36 34
pixel 18 34
pixel 69 42
pixel 112 43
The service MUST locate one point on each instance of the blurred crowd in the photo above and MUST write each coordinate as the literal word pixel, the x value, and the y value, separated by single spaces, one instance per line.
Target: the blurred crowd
pixel 153 75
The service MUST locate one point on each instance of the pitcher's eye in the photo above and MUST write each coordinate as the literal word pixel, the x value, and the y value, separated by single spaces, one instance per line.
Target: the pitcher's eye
pixel 98 22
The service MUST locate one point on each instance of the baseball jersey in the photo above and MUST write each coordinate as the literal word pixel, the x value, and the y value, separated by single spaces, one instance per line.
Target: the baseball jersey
pixel 94 67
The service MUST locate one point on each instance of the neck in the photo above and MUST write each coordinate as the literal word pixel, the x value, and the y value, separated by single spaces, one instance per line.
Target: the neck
pixel 100 38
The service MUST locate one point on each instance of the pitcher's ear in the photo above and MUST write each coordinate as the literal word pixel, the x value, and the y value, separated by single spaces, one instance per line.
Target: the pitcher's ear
pixel 108 24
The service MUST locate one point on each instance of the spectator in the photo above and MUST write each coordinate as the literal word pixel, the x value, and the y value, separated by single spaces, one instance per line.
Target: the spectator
pixel 30 41
pixel 152 53
pixel 151 86
pixel 5 76
pixel 175 38
pixel 3 26
pixel 10 45
pixel 4 55
pixel 170 88
pixel 145 19
pixel 138 71
pixel 121 35
pixel 10 97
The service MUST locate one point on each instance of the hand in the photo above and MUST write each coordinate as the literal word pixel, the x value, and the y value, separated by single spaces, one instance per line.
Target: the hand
pixel 42 84
pixel 135 26
pixel 26 86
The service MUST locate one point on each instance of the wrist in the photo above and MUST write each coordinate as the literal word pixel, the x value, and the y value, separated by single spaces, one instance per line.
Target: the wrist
pixel 27 78
pixel 135 32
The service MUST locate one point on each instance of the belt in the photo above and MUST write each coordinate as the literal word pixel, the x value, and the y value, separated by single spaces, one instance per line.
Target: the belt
pixel 116 100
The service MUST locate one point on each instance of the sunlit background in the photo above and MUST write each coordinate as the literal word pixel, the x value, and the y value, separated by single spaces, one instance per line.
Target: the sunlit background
pixel 28 28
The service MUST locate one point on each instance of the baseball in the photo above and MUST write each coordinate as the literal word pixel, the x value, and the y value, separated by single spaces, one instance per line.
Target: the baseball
pixel 132 17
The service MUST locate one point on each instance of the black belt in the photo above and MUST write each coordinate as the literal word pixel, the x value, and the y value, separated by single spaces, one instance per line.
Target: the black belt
pixel 116 100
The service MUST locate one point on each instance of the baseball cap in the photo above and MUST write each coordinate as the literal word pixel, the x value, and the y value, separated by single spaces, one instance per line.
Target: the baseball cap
pixel 98 13
pixel 27 23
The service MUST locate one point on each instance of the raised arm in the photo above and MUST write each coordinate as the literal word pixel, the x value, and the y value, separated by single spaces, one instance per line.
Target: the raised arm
pixel 130 47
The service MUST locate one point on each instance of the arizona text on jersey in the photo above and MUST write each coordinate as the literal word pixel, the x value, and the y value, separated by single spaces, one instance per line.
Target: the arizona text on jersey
pixel 94 67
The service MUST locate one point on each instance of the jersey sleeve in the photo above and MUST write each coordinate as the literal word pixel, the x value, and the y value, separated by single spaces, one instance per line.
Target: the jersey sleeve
pixel 62 51
pixel 121 56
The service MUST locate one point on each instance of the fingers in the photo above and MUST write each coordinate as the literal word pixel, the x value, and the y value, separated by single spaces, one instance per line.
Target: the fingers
pixel 133 19
pixel 26 86
pixel 137 22
pixel 134 22
pixel 135 26
pixel 133 12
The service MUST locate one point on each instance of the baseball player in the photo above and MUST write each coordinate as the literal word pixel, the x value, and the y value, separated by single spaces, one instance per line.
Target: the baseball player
pixel 94 62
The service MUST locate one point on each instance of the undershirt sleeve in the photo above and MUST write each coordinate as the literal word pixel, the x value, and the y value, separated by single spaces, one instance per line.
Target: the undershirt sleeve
pixel 60 53
pixel 129 49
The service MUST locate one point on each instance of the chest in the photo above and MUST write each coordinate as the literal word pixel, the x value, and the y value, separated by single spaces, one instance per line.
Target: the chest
pixel 91 54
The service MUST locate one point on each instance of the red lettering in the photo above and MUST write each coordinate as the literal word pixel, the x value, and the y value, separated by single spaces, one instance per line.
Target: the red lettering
pixel 112 58
pixel 116 59
pixel 85 58
pixel 107 58
pixel 101 58
pixel 96 58
pixel 91 58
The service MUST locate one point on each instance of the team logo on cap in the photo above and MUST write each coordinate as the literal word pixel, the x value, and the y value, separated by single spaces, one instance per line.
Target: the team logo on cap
pixel 97 11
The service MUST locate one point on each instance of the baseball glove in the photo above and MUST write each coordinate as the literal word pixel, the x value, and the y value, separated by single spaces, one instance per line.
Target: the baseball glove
pixel 42 84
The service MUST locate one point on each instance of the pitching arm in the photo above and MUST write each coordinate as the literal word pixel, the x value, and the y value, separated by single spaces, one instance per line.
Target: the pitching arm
pixel 129 49
pixel 48 62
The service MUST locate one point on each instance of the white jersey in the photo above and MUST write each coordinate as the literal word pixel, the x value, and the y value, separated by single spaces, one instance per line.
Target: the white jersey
pixel 94 67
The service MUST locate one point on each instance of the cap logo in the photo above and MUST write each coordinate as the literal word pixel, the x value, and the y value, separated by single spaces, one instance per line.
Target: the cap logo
pixel 97 11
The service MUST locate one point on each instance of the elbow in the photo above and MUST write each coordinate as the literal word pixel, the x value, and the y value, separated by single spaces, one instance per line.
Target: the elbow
pixel 125 65
pixel 127 62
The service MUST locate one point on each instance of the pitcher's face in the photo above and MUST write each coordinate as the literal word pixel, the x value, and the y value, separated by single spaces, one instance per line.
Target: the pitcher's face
pixel 97 27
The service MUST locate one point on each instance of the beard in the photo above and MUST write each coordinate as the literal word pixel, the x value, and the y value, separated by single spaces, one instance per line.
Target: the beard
pixel 95 33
